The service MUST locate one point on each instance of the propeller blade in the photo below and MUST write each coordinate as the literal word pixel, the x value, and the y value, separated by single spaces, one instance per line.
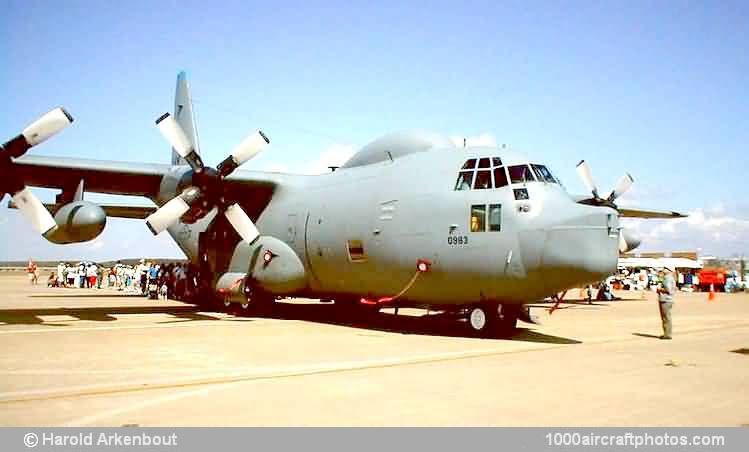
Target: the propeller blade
pixel 621 187
pixel 34 211
pixel 46 126
pixel 38 131
pixel 169 213
pixel 242 223
pixel 585 174
pixel 174 134
pixel 247 149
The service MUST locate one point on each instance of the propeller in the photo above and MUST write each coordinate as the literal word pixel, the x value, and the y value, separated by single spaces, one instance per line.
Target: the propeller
pixel 37 132
pixel 207 190
pixel 624 183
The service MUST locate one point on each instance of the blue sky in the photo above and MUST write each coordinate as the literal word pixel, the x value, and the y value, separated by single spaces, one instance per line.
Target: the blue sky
pixel 658 89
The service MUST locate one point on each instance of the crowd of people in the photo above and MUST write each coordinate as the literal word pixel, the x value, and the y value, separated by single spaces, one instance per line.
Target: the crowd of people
pixel 177 281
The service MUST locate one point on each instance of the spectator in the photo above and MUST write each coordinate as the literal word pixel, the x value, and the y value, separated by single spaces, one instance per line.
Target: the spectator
pixel 33 272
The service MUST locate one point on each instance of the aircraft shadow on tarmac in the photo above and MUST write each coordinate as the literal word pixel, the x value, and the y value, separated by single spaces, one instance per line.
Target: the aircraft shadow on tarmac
pixel 427 325
pixel 98 314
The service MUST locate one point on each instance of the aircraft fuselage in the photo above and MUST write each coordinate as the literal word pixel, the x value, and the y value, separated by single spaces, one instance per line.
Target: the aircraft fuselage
pixel 360 232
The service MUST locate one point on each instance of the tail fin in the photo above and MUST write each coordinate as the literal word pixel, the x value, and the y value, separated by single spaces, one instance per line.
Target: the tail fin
pixel 184 116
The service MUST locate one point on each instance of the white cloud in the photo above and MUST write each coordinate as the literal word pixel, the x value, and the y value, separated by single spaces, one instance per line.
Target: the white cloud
pixel 710 229
pixel 480 140
pixel 335 155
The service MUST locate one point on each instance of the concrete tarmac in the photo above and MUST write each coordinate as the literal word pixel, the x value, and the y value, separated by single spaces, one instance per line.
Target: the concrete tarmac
pixel 79 357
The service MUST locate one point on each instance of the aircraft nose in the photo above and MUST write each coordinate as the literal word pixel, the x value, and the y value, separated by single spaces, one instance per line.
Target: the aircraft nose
pixel 581 250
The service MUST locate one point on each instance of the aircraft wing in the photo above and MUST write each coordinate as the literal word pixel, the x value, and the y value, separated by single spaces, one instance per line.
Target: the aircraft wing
pixel 633 212
pixel 116 178
pixel 252 189
pixel 642 213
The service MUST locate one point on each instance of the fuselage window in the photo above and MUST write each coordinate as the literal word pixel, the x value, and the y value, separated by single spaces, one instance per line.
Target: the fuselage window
pixel 495 217
pixel 464 180
pixel 521 193
pixel 469 164
pixel 483 180
pixel 500 177
pixel 543 174
pixel 478 218
pixel 520 173
pixel 484 163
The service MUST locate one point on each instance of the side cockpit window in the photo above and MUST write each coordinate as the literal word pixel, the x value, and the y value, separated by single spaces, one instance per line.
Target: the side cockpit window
pixel 464 180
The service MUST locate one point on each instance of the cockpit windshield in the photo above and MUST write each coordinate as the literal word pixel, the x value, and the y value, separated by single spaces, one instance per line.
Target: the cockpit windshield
pixel 543 174
pixel 520 174
pixel 488 172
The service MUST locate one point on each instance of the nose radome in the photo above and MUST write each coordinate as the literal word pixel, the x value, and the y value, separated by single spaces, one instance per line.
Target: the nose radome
pixel 580 250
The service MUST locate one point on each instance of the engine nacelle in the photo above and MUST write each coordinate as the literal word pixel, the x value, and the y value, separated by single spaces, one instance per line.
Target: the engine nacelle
pixel 78 221
pixel 269 264
pixel 631 240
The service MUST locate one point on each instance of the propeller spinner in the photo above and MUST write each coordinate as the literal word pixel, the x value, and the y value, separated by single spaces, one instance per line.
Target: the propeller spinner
pixel 624 183
pixel 207 190
pixel 37 132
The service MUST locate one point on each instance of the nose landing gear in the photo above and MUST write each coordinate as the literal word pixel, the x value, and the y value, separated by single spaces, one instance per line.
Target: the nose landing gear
pixel 492 319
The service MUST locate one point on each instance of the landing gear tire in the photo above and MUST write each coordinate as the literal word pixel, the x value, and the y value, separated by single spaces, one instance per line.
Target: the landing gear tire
pixel 256 302
pixel 482 320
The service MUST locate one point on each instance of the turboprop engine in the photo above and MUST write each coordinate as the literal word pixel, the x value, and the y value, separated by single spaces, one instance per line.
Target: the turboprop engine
pixel 628 240
pixel 78 221
pixel 268 266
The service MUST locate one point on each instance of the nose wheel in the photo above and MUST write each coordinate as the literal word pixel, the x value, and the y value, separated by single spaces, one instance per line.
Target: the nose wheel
pixel 479 319
pixel 492 320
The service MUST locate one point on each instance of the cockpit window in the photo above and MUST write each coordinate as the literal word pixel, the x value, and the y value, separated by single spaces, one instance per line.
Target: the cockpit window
pixel 483 180
pixel 469 164
pixel 485 173
pixel 464 180
pixel 500 177
pixel 520 174
pixel 543 174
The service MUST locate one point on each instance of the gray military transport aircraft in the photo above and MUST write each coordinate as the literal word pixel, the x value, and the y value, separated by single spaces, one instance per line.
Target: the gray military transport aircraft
pixel 409 220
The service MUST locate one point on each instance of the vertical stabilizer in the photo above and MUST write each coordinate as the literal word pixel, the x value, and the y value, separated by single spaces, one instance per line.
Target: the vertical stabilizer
pixel 184 116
